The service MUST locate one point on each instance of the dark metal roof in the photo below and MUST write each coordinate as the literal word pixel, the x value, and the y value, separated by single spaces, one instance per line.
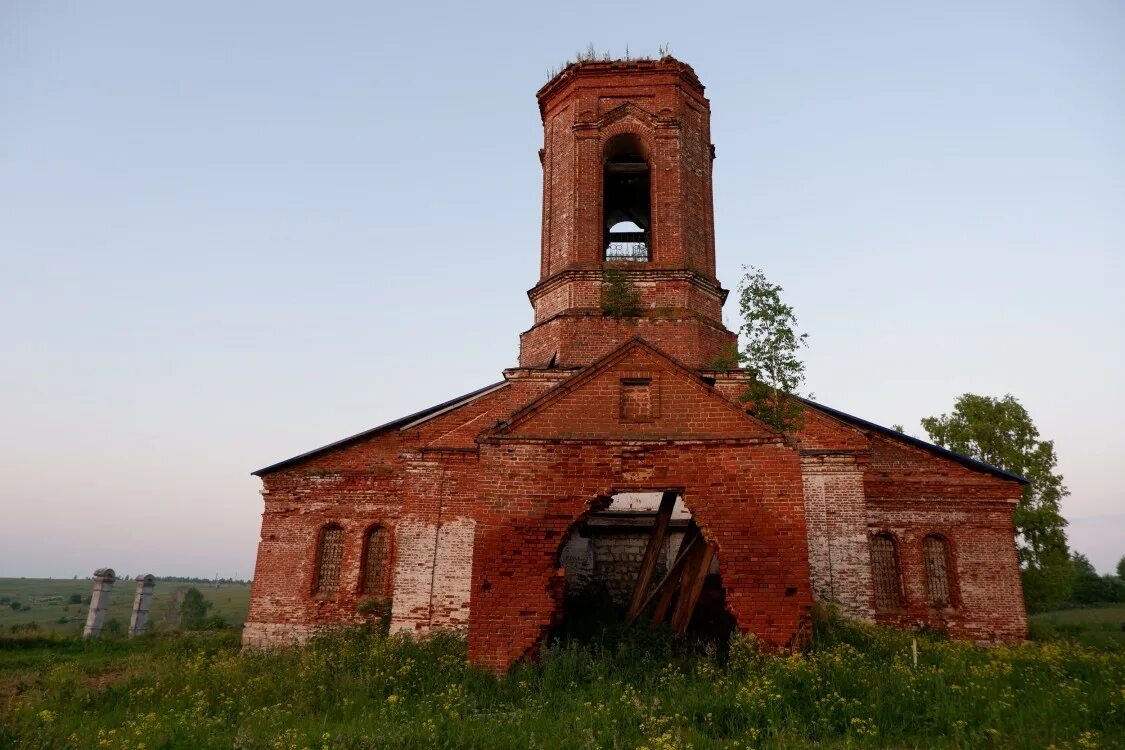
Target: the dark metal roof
pixel 402 421
pixel 969 463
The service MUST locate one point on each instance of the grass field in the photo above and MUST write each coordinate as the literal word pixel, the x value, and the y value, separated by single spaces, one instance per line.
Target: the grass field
pixel 857 687
pixel 1099 627
pixel 52 611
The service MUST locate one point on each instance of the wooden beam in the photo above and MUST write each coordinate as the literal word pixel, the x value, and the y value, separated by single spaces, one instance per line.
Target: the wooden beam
pixel 695 573
pixel 667 585
pixel 652 552
pixel 626 167
pixel 668 592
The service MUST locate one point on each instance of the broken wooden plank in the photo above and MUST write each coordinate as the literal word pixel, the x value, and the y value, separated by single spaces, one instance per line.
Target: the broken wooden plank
pixel 695 573
pixel 667 585
pixel 668 591
pixel 652 552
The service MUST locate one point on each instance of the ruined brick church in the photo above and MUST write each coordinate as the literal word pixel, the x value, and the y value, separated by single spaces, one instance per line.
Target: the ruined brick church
pixel 616 459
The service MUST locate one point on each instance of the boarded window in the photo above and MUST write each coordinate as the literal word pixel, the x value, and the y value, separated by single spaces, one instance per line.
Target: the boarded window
pixel 376 556
pixel 935 550
pixel 884 569
pixel 636 400
pixel 328 556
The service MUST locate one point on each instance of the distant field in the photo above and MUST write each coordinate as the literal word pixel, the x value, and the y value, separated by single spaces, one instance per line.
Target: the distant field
pixel 1100 627
pixel 52 611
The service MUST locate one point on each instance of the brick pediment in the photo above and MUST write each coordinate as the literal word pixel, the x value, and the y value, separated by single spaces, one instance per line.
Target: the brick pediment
pixel 635 392
pixel 628 110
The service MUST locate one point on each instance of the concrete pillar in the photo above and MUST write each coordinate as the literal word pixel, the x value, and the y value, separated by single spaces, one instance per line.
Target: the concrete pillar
pixel 99 600
pixel 139 621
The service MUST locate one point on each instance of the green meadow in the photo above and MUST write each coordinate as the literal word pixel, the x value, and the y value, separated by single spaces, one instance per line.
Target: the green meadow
pixel 48 603
pixel 857 686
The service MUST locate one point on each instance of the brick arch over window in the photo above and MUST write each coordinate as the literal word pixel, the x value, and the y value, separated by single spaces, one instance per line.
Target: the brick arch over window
pixel 329 553
pixel 939 588
pixel 886 579
pixel 636 127
pixel 376 562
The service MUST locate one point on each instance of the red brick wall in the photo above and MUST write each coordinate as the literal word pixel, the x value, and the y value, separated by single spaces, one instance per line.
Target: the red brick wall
pixel 580 340
pixel 746 497
pixel 440 498
pixel 422 495
pixel 836 515
pixel 589 406
pixel 662 292
pixel 911 493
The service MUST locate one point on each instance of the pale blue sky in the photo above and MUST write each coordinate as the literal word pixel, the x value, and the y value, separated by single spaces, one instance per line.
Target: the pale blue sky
pixel 232 232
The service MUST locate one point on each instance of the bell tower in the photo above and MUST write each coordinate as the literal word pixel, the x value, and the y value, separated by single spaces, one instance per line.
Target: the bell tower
pixel 626 160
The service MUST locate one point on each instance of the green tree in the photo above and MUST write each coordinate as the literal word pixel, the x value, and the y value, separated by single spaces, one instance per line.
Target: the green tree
pixel 1091 588
pixel 1049 583
pixel 193 610
pixel 1121 568
pixel 770 352
pixel 999 431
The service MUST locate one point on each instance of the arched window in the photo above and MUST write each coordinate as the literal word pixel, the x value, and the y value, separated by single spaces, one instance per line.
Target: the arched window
pixel 884 570
pixel 376 556
pixel 626 201
pixel 935 551
pixel 328 555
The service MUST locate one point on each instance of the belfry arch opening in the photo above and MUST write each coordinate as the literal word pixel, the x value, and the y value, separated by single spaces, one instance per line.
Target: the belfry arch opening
pixel 626 201
pixel 640 560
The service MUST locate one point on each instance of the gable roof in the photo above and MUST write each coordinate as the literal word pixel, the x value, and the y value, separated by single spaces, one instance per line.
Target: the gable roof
pixel 616 355
pixel 403 422
pixel 967 462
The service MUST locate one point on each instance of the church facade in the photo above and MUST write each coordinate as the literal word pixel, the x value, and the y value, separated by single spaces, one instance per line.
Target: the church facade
pixel 618 451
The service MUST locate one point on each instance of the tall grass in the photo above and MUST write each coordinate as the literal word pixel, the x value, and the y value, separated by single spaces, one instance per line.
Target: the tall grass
pixel 856 687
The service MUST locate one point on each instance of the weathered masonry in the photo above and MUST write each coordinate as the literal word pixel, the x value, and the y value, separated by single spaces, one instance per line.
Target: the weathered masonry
pixel 615 458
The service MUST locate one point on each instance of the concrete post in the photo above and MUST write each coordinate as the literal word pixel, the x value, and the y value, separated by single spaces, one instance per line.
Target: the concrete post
pixel 139 620
pixel 99 600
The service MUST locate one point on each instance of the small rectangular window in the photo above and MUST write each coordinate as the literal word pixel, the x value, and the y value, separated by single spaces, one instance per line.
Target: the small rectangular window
pixel 636 400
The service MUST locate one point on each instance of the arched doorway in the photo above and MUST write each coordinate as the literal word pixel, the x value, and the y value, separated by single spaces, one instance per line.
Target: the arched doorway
pixel 640 560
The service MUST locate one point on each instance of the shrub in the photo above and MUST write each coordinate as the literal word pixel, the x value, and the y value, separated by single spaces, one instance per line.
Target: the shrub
pixel 214 622
pixel 193 610
pixel 378 610
pixel 619 298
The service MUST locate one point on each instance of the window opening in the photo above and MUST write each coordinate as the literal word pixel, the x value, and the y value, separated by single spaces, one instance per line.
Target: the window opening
pixel 935 550
pixel 626 201
pixel 329 553
pixel 884 564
